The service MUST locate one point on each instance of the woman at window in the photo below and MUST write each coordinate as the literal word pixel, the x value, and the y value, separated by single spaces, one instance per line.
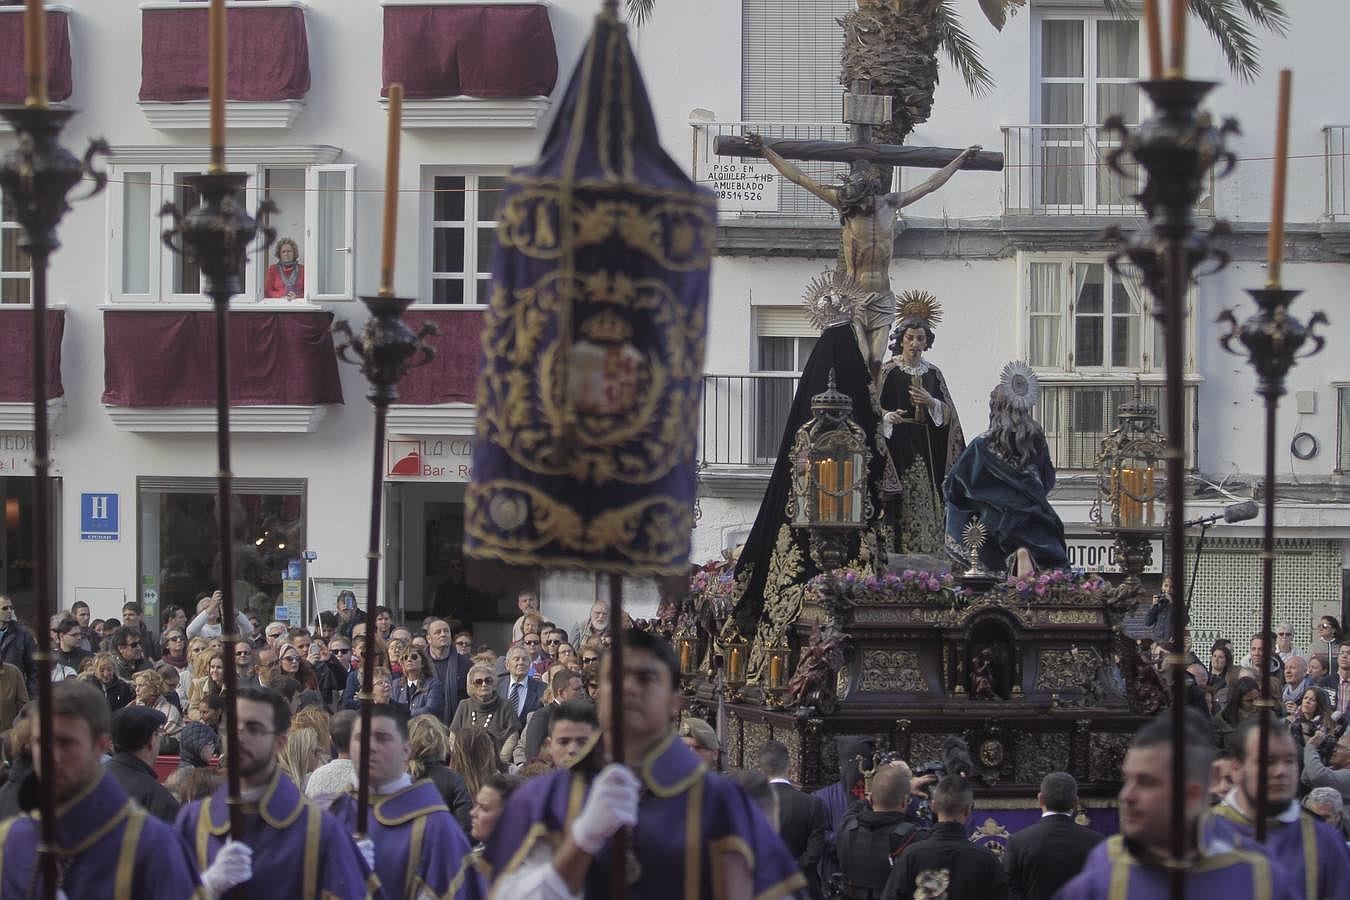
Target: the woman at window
pixel 285 278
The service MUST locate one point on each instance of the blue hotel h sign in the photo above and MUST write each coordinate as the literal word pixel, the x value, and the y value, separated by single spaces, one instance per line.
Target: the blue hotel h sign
pixel 99 517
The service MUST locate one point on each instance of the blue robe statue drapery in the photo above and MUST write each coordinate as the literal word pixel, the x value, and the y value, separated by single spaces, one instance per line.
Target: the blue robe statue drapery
pixel 593 341
pixel 687 816
pixel 124 853
pixel 298 849
pixel 1012 505
pixel 420 850
pixel 1114 872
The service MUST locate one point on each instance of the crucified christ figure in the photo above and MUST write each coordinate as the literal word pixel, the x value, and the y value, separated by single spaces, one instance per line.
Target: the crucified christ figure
pixel 867 217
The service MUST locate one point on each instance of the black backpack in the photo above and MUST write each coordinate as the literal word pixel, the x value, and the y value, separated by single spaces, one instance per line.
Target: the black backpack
pixel 867 854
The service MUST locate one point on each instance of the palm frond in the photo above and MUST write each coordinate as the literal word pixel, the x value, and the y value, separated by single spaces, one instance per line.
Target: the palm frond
pixel 961 50
pixel 1121 9
pixel 1224 20
pixel 639 11
pixel 1269 14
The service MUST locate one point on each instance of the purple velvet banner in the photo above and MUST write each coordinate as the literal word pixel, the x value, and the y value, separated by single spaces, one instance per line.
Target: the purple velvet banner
pixel 13 83
pixel 168 358
pixel 451 377
pixel 488 50
pixel 16 354
pixel 268 50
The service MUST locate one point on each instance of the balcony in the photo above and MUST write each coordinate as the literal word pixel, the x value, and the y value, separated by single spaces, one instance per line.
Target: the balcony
pixel 437 398
pixel 743 420
pixel 1335 139
pixel 1078 414
pixel 13 83
pixel 159 369
pixel 470 65
pixel 268 69
pixel 16 366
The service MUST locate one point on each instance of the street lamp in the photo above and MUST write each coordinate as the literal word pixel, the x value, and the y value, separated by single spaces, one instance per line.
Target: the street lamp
pixel 830 496
pixel 1131 492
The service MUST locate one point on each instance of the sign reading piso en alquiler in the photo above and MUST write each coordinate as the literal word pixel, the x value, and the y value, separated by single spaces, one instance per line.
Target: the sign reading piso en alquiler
pixel 744 186
pixel 1098 554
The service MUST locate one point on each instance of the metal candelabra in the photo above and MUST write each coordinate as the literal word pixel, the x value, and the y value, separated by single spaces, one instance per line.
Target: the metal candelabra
pixel 385 350
pixel 1273 340
pixel 1179 148
pixel 37 177
pixel 217 235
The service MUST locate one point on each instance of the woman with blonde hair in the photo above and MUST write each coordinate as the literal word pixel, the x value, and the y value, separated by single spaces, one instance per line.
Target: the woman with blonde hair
pixel 212 679
pixel 474 757
pixel 304 752
pixel 431 744
pixel 194 651
pixel 149 687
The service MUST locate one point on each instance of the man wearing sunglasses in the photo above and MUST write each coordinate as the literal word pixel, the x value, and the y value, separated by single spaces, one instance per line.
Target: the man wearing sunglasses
pixel 126 643
pixel 17 644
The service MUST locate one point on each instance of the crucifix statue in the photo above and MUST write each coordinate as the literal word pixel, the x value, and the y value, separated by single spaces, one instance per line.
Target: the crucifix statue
pixel 868 210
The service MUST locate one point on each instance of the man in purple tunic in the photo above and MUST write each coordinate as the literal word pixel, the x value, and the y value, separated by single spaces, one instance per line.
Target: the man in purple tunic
pixel 1309 850
pixel 694 833
pixel 290 847
pixel 110 847
pixel 420 850
pixel 1132 865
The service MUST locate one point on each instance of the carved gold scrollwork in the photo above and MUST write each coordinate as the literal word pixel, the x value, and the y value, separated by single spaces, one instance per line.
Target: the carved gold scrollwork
pixel 892 670
pixel 1058 670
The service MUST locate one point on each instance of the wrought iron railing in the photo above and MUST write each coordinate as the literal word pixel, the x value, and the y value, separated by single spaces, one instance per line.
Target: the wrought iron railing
pixel 1337 171
pixel 793 201
pixel 1076 416
pixel 1062 170
pixel 743 418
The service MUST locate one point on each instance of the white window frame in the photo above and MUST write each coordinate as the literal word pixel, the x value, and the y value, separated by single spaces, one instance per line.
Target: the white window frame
pixel 16 276
pixel 1100 145
pixel 162 260
pixel 1342 427
pixel 1149 332
pixel 311 250
pixel 470 275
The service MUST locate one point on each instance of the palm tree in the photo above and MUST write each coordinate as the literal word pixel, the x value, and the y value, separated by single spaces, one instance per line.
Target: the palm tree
pixel 895 43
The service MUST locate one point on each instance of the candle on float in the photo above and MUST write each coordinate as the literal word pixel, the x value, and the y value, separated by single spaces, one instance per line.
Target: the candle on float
pixel 775 671
pixel 1153 30
pixel 847 487
pixel 1180 9
pixel 35 52
pixel 216 67
pixel 391 191
pixel 686 652
pixel 1275 253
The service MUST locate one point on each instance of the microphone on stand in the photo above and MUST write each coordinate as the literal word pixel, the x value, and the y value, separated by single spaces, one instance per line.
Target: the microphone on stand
pixel 1234 512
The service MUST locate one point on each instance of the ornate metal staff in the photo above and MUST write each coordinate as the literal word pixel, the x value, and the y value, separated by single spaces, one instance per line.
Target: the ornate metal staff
pixel 1178 148
pixel 386 349
pixel 216 235
pixel 1272 339
pixel 37 177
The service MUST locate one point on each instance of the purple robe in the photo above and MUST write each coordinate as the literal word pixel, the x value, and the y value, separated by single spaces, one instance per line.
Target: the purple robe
pixel 686 817
pixel 416 836
pixel 1113 872
pixel 126 853
pixel 1309 850
pixel 299 851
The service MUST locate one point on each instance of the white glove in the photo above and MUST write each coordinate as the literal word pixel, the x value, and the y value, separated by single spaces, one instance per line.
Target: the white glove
pixel 367 848
pixel 612 804
pixel 232 867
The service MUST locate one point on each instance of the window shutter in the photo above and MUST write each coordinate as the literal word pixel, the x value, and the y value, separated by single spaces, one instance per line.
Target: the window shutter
pixel 783 321
pixel 790 59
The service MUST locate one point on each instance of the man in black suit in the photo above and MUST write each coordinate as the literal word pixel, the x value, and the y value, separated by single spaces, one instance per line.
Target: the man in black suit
pixel 801 817
pixel 970 872
pixel 450 667
pixel 1042 858
pixel 524 693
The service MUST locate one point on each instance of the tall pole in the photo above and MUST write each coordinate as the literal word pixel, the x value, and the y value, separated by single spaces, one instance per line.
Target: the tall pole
pixel 1177 148
pixel 37 177
pixel 618 853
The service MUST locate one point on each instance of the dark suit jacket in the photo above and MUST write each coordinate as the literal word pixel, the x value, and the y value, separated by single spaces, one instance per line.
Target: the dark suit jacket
pixel 801 825
pixel 453 674
pixel 975 872
pixel 141 785
pixel 1043 857
pixel 534 694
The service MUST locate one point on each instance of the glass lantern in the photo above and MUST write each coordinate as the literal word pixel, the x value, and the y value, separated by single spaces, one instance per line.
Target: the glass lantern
pixel 1131 490
pixel 686 645
pixel 736 650
pixel 776 670
pixel 830 496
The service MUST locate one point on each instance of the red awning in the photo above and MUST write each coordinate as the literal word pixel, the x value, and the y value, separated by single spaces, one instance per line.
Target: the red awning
pixel 452 377
pixel 16 353
pixel 13 83
pixel 475 50
pixel 157 359
pixel 268 50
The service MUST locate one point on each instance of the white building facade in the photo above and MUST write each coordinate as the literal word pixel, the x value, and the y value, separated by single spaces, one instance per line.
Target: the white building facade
pixel 1016 258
